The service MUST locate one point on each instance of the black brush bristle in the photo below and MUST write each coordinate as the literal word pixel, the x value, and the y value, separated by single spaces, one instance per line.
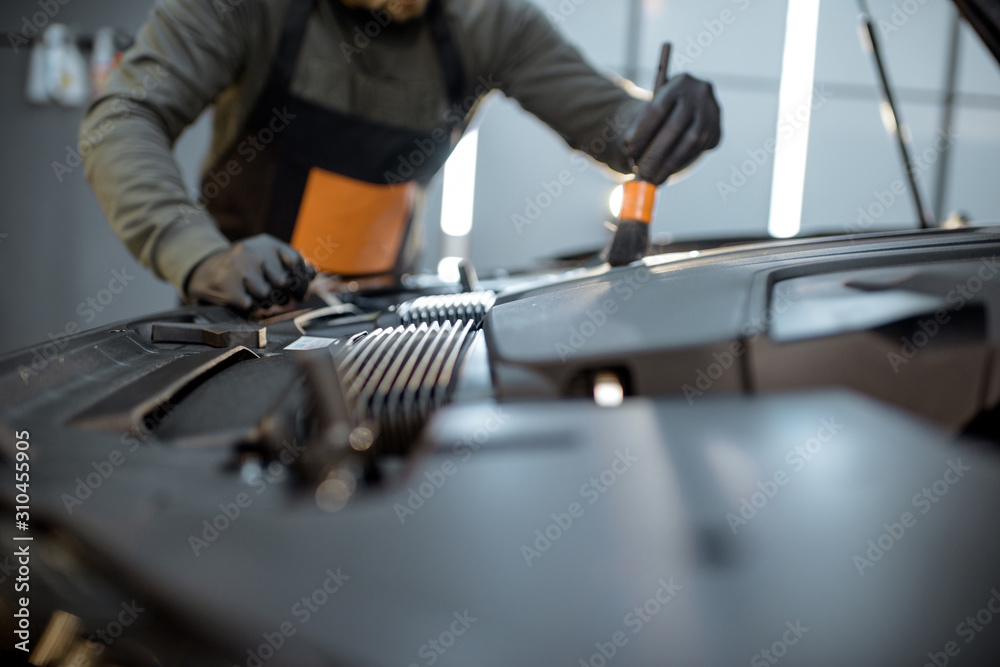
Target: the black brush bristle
pixel 631 243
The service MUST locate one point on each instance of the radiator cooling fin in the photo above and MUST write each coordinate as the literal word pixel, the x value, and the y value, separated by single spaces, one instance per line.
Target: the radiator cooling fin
pixel 447 308
pixel 395 377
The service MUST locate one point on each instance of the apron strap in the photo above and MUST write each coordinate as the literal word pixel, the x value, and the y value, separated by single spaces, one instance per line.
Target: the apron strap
pixel 451 62
pixel 290 189
pixel 279 80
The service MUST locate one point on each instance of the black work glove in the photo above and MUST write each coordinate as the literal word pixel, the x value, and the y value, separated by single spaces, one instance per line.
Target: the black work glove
pixel 681 123
pixel 257 272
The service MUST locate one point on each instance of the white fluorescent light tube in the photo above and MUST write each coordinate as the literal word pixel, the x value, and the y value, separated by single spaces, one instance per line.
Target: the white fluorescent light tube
pixel 459 195
pixel 798 71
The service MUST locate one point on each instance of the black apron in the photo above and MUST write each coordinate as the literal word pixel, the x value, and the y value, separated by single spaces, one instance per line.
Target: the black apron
pixel 338 187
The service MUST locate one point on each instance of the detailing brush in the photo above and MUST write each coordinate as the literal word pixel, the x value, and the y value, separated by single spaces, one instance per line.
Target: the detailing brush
pixel 631 241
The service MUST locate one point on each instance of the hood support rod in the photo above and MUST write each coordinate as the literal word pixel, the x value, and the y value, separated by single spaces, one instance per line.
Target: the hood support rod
pixel 871 45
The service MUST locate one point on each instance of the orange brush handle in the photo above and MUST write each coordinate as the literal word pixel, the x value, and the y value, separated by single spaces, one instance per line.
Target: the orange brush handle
pixel 638 202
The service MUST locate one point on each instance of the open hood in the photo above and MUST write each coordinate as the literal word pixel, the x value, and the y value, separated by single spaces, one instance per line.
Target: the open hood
pixel 984 16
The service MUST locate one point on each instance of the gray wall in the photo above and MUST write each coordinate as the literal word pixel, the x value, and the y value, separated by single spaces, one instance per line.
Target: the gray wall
pixel 59 252
pixel 850 156
pixel 849 145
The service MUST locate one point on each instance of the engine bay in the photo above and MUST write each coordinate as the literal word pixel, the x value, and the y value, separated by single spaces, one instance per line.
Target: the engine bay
pixel 535 459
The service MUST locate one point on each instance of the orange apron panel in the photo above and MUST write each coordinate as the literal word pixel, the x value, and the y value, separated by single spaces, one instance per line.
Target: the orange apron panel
pixel 348 227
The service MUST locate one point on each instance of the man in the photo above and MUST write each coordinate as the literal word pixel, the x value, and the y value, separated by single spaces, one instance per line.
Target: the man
pixel 330 117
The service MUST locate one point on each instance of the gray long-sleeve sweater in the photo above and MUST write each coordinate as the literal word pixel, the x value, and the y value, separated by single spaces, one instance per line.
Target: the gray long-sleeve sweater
pixel 191 54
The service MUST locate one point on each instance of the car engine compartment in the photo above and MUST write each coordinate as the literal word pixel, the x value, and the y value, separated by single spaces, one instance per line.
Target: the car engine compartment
pixel 438 450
